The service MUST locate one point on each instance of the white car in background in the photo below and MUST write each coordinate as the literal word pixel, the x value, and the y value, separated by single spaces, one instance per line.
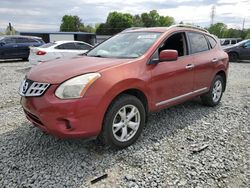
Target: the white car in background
pixel 57 50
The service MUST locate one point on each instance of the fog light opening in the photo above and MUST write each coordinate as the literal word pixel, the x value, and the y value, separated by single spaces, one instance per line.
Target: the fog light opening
pixel 67 124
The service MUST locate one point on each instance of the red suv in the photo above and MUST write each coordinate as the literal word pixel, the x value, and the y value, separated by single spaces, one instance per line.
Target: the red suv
pixel 108 92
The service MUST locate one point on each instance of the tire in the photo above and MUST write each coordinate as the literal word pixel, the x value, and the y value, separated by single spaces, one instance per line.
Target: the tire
pixel 118 114
pixel 233 57
pixel 213 97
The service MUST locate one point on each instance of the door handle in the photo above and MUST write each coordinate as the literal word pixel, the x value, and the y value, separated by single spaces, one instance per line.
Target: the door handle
pixel 190 66
pixel 215 60
pixel 15 46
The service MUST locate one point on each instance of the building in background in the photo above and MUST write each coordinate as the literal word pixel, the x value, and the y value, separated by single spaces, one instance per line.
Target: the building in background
pixel 56 36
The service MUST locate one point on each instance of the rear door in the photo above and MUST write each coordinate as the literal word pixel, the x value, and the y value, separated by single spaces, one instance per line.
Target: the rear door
pixel 67 49
pixel 204 60
pixel 22 48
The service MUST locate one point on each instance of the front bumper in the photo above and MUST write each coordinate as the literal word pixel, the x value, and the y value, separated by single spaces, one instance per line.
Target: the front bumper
pixel 75 118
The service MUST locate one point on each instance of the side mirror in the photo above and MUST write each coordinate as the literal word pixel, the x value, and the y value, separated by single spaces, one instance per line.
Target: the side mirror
pixel 2 43
pixel 168 55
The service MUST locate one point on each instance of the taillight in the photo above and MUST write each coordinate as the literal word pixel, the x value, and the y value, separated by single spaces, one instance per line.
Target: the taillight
pixel 40 53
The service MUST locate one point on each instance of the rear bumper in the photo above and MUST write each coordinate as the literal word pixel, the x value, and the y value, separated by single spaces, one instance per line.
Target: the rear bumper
pixel 76 118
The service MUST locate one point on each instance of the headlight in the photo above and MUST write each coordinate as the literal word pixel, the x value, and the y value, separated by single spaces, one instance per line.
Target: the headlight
pixel 76 87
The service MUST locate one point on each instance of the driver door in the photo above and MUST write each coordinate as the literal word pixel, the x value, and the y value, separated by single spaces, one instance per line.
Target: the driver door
pixel 245 51
pixel 173 81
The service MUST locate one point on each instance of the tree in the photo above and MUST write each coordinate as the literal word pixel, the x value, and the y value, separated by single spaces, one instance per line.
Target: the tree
pixel 71 23
pixel 102 29
pixel 10 31
pixel 218 29
pixel 115 23
pixel 247 34
pixel 166 21
pixel 137 21
pixel 150 19
pixel 153 19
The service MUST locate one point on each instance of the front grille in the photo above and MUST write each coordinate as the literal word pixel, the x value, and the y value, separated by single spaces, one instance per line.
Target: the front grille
pixel 29 88
pixel 33 118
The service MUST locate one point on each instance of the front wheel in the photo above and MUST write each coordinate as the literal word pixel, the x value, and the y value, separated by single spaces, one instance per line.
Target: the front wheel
pixel 213 97
pixel 123 122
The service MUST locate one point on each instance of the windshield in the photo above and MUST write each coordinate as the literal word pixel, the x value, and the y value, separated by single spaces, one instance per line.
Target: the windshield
pixel 125 45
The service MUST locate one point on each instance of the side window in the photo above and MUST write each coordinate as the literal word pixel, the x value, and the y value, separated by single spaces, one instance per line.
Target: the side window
pixel 226 42
pixel 198 42
pixel 247 44
pixel 211 41
pixel 67 46
pixel 81 46
pixel 233 41
pixel 21 40
pixel 175 42
pixel 32 41
pixel 9 41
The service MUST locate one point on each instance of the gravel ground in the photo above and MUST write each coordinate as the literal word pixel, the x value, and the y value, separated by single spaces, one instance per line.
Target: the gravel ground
pixel 189 145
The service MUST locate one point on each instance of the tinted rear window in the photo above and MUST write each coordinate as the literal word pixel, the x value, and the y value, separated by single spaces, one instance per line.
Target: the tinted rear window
pixel 47 45
pixel 67 46
pixel 198 42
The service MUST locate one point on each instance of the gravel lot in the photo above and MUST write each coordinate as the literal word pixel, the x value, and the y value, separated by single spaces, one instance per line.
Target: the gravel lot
pixel 185 146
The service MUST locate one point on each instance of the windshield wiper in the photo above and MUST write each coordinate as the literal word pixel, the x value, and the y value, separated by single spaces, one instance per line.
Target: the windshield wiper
pixel 97 56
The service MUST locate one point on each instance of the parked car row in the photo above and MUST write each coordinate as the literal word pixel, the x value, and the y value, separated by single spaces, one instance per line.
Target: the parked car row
pixel 57 50
pixel 229 41
pixel 36 51
pixel 108 93
pixel 239 51
pixel 12 47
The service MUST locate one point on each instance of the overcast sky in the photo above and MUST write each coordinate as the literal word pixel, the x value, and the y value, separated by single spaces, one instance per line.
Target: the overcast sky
pixel 45 15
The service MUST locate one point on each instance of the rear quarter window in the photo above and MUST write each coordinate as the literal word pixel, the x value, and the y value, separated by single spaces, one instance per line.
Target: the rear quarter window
pixel 198 42
pixel 211 41
pixel 66 46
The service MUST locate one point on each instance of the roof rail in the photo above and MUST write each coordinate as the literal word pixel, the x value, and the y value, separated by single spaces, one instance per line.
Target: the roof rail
pixel 132 28
pixel 190 26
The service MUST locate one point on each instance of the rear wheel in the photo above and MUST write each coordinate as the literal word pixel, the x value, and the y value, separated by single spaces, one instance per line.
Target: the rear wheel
pixel 123 122
pixel 233 57
pixel 213 97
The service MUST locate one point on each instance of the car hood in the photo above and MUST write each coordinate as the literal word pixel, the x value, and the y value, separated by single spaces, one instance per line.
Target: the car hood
pixel 57 71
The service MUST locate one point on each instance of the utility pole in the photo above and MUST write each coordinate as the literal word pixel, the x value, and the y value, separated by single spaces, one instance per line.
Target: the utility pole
pixel 10 27
pixel 243 24
pixel 212 15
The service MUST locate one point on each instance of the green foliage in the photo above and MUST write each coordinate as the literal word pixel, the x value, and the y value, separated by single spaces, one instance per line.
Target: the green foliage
pixel 137 21
pixel 11 31
pixel 166 21
pixel 74 24
pixel 247 34
pixel 116 22
pixel 221 31
pixel 71 23
pixel 218 29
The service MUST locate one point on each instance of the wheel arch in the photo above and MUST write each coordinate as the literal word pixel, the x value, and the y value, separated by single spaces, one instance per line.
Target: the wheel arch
pixel 224 77
pixel 137 93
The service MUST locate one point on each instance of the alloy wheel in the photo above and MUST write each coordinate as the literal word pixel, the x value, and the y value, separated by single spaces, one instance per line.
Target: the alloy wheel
pixel 126 123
